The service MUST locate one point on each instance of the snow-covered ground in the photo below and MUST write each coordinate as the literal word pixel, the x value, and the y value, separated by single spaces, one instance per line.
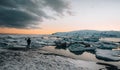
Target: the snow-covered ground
pixel 35 59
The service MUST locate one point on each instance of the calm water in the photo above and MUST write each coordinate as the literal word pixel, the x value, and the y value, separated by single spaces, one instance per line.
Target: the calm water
pixel 110 39
pixel 84 56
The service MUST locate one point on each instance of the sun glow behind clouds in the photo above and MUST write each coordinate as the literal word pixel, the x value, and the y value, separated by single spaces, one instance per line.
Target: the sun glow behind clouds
pixel 87 14
pixel 25 31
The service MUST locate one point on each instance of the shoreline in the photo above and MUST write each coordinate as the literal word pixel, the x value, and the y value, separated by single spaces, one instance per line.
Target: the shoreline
pixel 36 59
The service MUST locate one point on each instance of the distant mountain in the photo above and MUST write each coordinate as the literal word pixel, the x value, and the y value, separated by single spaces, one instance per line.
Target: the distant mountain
pixel 88 33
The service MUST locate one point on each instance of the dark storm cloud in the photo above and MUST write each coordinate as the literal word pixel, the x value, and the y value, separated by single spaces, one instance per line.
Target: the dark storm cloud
pixel 27 13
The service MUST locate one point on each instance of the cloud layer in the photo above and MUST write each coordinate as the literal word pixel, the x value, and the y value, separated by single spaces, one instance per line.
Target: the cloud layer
pixel 27 13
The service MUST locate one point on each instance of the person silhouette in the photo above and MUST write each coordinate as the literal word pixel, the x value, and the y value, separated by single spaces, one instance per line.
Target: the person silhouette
pixel 28 42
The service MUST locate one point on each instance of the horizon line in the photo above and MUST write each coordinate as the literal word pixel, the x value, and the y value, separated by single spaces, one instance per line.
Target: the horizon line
pixel 55 32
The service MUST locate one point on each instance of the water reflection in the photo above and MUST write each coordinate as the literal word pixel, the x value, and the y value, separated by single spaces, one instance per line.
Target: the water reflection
pixel 65 48
pixel 59 47
pixel 86 55
pixel 108 66
pixel 76 55
pixel 77 52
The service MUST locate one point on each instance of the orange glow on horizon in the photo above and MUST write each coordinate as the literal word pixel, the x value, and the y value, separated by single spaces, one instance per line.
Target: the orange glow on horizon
pixel 25 31
pixel 65 26
pixel 29 31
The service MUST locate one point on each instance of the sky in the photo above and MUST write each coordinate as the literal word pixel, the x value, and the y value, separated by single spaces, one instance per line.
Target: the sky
pixel 50 16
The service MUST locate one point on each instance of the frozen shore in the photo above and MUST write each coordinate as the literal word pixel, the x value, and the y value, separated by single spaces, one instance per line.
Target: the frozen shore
pixel 37 59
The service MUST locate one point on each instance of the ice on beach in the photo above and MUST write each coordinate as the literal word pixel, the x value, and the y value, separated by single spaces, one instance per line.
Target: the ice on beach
pixel 87 64
pixel 42 60
pixel 107 46
pixel 20 40
pixel 108 55
pixel 80 47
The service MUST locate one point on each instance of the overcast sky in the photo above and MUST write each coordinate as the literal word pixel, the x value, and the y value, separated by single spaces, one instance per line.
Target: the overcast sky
pixel 48 16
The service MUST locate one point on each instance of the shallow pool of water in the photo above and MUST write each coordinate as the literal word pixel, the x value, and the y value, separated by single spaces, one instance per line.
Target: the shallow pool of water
pixel 83 56
pixel 110 39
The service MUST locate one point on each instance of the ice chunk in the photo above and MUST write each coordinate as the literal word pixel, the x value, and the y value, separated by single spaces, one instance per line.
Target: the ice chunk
pixel 108 55
pixel 106 46
pixel 80 47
